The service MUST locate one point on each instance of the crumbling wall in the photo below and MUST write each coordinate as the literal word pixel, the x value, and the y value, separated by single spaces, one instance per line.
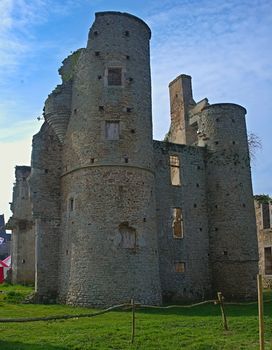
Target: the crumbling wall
pixel 192 247
pixel 57 108
pixel 23 232
pixel 45 196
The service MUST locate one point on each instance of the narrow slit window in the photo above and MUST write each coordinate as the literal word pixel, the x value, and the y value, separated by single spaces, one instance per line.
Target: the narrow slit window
pixel 266 215
pixel 175 170
pixel 112 130
pixel 114 76
pixel 268 260
pixel 177 223
pixel 179 267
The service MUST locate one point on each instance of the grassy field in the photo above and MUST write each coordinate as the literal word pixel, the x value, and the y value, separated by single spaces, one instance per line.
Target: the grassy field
pixel 197 328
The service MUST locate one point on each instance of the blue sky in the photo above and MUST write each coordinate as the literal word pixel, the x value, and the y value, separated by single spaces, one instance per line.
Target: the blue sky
pixel 225 45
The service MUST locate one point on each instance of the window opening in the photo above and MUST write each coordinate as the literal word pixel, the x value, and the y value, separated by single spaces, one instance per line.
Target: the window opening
pixel 179 266
pixel 175 170
pixel 112 130
pixel 177 223
pixel 71 204
pixel 266 215
pixel 114 76
pixel 128 236
pixel 268 260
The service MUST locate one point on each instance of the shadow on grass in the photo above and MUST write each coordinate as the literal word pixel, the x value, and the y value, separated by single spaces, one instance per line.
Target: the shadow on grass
pixel 9 345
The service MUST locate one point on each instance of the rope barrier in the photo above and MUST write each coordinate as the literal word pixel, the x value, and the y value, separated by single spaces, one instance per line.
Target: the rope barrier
pixel 178 306
pixel 115 307
pixel 62 317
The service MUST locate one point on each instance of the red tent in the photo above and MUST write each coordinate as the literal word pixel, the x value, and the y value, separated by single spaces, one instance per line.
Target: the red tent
pixel 2 266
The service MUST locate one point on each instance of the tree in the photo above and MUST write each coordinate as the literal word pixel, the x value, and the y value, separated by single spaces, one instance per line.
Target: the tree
pixel 254 144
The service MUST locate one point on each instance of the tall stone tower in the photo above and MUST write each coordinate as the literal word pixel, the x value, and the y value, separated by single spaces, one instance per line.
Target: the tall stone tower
pixel 232 225
pixel 108 248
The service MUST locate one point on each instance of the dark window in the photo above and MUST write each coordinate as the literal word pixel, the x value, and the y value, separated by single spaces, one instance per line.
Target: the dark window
pixel 177 223
pixel 71 204
pixel 266 215
pixel 179 266
pixel 268 260
pixel 115 76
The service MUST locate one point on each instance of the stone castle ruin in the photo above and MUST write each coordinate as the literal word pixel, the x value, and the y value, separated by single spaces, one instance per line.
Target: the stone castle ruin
pixel 116 214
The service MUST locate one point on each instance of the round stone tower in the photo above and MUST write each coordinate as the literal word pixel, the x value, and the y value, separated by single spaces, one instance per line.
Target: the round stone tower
pixel 232 226
pixel 109 248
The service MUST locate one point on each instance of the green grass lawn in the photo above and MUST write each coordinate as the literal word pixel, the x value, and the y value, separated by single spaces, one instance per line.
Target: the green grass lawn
pixel 197 328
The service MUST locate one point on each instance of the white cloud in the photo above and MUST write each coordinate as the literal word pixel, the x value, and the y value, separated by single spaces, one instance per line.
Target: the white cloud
pixel 18 18
pixel 12 154
pixel 225 46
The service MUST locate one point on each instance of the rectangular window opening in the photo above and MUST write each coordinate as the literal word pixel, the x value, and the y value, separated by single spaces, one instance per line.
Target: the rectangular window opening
pixel 175 170
pixel 71 204
pixel 114 76
pixel 177 223
pixel 266 216
pixel 179 267
pixel 112 131
pixel 268 260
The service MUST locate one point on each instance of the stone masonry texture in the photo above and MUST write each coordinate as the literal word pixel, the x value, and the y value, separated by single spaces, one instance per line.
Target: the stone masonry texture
pixel 263 210
pixel 105 196
pixel 23 230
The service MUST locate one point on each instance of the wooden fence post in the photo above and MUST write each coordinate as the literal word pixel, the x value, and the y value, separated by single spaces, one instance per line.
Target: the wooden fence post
pixel 224 318
pixel 133 320
pixel 260 309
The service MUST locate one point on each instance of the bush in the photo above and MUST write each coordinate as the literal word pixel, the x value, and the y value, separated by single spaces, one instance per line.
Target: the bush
pixel 14 297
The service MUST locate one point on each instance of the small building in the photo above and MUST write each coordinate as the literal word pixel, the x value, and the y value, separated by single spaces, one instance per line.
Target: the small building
pixel 5 265
pixel 4 239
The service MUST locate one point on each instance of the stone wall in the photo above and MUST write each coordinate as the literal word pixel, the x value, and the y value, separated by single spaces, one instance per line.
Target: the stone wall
pixel 45 196
pixel 181 101
pixel 193 248
pixel 22 226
